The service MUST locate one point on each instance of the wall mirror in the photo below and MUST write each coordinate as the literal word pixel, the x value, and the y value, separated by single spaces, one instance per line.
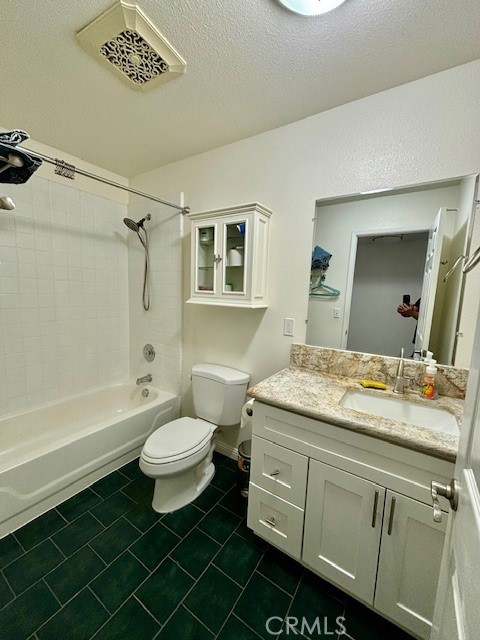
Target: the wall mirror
pixel 381 246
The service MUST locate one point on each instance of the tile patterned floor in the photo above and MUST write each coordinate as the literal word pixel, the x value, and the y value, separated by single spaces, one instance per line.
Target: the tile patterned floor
pixel 103 565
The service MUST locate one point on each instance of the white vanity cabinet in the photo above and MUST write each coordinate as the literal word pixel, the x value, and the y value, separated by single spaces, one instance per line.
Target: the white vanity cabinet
pixel 354 509
pixel 229 256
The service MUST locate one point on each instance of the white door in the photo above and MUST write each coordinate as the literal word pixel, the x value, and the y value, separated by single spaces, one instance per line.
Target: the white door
pixel 437 252
pixel 457 608
pixel 343 525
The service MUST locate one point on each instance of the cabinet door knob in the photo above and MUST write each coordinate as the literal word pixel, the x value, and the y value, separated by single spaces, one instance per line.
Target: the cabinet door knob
pixel 375 508
pixel 271 521
pixel 448 491
pixel 392 513
pixel 275 473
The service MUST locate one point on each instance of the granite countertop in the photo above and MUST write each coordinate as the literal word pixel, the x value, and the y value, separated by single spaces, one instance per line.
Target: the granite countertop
pixel 317 395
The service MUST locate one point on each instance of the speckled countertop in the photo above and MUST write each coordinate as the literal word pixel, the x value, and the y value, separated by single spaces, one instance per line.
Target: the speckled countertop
pixel 317 395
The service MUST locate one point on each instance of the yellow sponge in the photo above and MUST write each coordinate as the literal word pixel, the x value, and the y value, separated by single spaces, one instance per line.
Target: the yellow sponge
pixel 374 384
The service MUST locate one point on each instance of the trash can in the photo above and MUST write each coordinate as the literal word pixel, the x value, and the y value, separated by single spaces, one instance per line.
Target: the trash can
pixel 243 467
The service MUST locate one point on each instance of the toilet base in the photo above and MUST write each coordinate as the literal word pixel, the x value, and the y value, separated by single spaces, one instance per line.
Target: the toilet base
pixel 174 492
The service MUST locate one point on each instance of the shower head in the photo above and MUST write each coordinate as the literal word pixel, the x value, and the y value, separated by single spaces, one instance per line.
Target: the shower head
pixel 7 203
pixel 136 226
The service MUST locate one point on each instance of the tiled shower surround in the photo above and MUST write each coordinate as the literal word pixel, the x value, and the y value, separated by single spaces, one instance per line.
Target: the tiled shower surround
pixel 63 294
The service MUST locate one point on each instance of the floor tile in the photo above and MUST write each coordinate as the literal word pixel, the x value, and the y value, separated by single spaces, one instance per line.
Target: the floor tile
pixel 32 566
pixel 238 559
pixel 10 549
pixel 183 626
pixel 260 601
pixel 234 502
pixel 195 552
pixel 164 590
pixel 143 516
pixel 153 547
pixel 231 463
pixel 40 529
pixel 183 520
pixel 140 490
pixel 219 524
pixel 119 580
pixel 109 484
pixel 281 570
pixel 313 599
pixel 78 620
pixel 6 594
pixel 130 622
pixel 76 506
pixel 363 624
pixel 132 469
pixel 224 478
pixel 244 531
pixel 208 498
pixel 112 508
pixel 26 613
pixel 110 543
pixel 74 573
pixel 212 598
pixel 77 533
pixel 236 630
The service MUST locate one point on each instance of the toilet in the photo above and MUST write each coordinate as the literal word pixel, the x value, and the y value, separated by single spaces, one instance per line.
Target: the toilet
pixel 178 455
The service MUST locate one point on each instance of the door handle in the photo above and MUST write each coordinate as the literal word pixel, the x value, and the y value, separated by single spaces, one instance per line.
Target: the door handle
pixel 448 491
pixel 375 508
pixel 393 504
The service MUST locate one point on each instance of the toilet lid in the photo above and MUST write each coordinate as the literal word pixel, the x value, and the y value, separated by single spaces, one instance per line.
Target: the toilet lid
pixel 177 437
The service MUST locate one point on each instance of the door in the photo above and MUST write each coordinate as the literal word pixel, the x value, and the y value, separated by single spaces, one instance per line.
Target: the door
pixel 206 259
pixel 343 523
pixel 457 608
pixel 437 252
pixel 409 565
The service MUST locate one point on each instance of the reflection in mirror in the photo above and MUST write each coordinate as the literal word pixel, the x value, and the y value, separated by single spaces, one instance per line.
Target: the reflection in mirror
pixel 385 246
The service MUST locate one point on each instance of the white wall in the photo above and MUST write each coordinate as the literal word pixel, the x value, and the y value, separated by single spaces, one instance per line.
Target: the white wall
pixel 334 226
pixel 161 325
pixel 63 293
pixel 413 133
pixel 383 273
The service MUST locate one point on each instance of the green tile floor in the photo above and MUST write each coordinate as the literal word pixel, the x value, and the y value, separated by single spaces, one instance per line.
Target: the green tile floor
pixel 104 565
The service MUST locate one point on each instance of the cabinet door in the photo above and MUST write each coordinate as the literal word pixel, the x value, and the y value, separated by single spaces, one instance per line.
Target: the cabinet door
pixel 235 257
pixel 343 523
pixel 205 247
pixel 410 557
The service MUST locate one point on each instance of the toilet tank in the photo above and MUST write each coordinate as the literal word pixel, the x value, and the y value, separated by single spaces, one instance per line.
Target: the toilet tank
pixel 218 393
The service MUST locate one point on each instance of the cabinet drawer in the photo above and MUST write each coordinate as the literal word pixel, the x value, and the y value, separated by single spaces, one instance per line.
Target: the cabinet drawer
pixel 275 520
pixel 279 470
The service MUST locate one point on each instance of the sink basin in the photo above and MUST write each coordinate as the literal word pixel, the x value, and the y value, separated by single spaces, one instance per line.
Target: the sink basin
pixel 402 410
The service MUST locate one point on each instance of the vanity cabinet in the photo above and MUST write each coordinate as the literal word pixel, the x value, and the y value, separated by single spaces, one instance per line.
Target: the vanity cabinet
pixel 229 250
pixel 353 509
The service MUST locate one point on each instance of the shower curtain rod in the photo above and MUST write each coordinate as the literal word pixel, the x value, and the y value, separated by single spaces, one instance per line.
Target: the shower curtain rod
pixel 69 170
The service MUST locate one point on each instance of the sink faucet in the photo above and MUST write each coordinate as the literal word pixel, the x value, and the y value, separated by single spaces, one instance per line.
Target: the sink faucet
pixel 401 381
pixel 147 378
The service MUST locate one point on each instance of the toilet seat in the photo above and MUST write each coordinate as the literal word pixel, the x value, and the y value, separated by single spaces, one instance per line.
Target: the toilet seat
pixel 176 440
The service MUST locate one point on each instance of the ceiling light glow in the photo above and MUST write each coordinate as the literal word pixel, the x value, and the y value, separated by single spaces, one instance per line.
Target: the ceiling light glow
pixel 311 7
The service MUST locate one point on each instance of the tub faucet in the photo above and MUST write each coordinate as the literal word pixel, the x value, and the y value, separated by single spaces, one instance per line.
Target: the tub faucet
pixel 147 378
pixel 401 381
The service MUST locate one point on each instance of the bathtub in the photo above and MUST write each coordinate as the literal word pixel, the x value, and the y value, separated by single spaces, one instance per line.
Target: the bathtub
pixel 50 453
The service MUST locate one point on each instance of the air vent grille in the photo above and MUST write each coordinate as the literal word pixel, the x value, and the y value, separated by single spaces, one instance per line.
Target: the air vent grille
pixel 134 57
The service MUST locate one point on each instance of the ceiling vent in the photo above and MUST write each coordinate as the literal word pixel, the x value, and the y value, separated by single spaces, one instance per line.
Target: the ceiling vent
pixel 127 42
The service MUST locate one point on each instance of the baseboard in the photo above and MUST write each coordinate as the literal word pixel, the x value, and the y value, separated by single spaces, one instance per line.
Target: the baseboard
pixel 227 450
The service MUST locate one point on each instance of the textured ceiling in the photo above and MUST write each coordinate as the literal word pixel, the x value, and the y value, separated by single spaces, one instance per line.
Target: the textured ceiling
pixel 251 66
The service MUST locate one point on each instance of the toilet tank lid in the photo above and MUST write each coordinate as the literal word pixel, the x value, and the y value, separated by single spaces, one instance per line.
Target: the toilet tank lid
pixel 219 373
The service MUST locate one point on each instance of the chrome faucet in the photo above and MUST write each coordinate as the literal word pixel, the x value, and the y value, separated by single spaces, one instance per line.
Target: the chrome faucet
pixel 401 381
pixel 147 378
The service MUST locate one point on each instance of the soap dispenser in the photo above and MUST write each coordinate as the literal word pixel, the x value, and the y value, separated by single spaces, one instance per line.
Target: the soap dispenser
pixel 429 385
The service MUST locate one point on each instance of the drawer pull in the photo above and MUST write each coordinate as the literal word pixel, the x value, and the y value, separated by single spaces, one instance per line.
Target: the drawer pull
pixel 375 507
pixel 275 473
pixel 392 513
pixel 271 521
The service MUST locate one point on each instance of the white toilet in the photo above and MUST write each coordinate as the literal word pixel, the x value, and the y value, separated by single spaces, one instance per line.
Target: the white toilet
pixel 179 454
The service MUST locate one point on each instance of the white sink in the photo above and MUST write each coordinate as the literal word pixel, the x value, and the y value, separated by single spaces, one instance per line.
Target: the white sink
pixel 402 410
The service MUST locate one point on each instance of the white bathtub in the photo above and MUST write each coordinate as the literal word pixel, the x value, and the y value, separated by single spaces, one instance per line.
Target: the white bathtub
pixel 50 453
